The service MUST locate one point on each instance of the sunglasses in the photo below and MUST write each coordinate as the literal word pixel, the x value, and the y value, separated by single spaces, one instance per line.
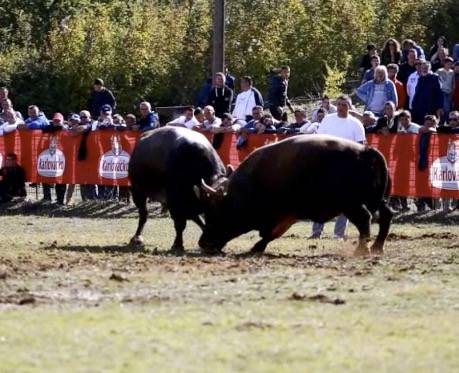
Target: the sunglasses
pixel 83 116
pixel 453 119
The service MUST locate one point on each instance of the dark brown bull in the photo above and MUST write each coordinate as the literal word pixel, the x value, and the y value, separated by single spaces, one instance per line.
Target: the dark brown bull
pixel 165 165
pixel 303 177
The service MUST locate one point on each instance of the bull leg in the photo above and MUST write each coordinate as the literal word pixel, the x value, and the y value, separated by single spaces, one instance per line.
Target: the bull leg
pixel 179 225
pixel 140 201
pixel 277 230
pixel 385 218
pixel 361 218
pixel 197 219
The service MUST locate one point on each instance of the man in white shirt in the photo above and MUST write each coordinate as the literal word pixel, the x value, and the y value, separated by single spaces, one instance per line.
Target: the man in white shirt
pixel 405 123
pixel 247 100
pixel 412 82
pixel 344 126
pixel 211 120
pixel 187 120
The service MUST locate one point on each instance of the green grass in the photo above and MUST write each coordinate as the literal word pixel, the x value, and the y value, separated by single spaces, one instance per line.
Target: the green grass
pixel 198 314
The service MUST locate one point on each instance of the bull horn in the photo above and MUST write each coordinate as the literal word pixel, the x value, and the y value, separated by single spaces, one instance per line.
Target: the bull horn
pixel 207 188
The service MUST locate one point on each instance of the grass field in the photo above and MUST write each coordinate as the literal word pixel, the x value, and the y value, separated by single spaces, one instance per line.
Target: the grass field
pixel 74 298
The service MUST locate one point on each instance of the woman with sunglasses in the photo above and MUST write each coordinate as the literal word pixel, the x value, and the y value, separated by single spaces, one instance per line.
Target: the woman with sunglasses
pixel 391 52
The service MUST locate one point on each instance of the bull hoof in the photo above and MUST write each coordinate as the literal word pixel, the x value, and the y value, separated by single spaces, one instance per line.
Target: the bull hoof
pixel 137 241
pixel 177 250
pixel 210 252
pixel 361 251
pixel 377 250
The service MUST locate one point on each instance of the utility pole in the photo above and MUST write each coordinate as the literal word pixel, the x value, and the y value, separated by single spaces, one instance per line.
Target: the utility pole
pixel 218 60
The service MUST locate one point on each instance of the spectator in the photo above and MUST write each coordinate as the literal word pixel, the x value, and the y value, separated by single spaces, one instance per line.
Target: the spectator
pixel 412 82
pixel 430 124
pixel 220 96
pixel 277 95
pixel 85 127
pixel 345 126
pixel 391 53
pixel 453 124
pixel 148 118
pixel 119 123
pixel 250 127
pixel 229 79
pixel 370 73
pixel 388 123
pixel 365 61
pixel 368 119
pixel 456 53
pixel 56 124
pixel 3 93
pixel 301 124
pixel 100 96
pixel 199 115
pixel 228 125
pixel 409 44
pixel 12 179
pixel 377 92
pixel 439 58
pixel 392 70
pixel 7 105
pixel 36 120
pixel 325 105
pixel 131 122
pixel 405 125
pixel 320 115
pixel 441 42
pixel 429 97
pixel 447 80
pixel 211 120
pixel 187 120
pixel 10 123
pixel 407 68
pixel 247 100
pixel 456 87
pixel 86 122
pixel 203 94
pixel 105 120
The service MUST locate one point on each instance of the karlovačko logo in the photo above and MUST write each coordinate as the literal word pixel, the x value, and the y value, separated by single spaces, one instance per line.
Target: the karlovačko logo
pixel 51 162
pixel 114 164
pixel 444 172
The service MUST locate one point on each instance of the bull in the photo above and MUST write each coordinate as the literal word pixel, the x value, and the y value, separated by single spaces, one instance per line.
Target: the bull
pixel 303 177
pixel 165 165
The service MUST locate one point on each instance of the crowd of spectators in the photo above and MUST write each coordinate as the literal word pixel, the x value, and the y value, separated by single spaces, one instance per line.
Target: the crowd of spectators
pixel 402 90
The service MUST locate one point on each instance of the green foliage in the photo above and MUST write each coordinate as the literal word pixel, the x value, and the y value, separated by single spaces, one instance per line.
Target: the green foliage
pixel 334 80
pixel 160 50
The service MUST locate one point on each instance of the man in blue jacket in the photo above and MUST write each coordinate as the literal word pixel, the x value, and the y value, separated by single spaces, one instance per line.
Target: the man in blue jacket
pixel 148 118
pixel 99 97
pixel 428 99
pixel 36 120
pixel 277 95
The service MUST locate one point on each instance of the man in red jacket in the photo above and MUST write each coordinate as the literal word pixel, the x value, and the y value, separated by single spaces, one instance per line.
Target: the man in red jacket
pixel 392 71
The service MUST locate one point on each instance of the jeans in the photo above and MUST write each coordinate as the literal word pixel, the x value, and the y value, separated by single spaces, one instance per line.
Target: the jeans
pixel 446 106
pixel 340 227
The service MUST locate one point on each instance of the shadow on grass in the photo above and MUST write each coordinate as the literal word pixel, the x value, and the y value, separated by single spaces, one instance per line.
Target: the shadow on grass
pixel 435 216
pixel 88 209
pixel 123 249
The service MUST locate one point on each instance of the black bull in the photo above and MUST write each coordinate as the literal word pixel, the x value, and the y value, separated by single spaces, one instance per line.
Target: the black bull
pixel 165 165
pixel 303 177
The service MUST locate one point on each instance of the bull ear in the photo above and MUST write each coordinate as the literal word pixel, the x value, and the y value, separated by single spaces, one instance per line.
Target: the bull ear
pixel 229 170
pixel 207 188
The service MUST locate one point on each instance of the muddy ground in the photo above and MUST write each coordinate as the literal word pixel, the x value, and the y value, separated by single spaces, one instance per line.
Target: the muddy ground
pixel 70 284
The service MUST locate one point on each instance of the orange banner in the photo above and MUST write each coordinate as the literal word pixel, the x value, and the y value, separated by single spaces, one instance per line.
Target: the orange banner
pixel 53 158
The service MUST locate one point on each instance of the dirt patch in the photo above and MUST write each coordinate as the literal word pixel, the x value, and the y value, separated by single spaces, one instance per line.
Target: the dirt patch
pixel 321 298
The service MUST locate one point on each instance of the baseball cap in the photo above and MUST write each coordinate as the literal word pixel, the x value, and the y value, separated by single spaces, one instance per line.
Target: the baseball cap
pixel 75 117
pixel 106 108
pixel 98 81
pixel 58 117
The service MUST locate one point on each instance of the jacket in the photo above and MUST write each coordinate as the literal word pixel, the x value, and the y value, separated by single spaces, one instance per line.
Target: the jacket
pixel 366 91
pixel 37 123
pixel 277 94
pixel 98 99
pixel 401 93
pixel 429 97
pixel 221 100
pixel 149 122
